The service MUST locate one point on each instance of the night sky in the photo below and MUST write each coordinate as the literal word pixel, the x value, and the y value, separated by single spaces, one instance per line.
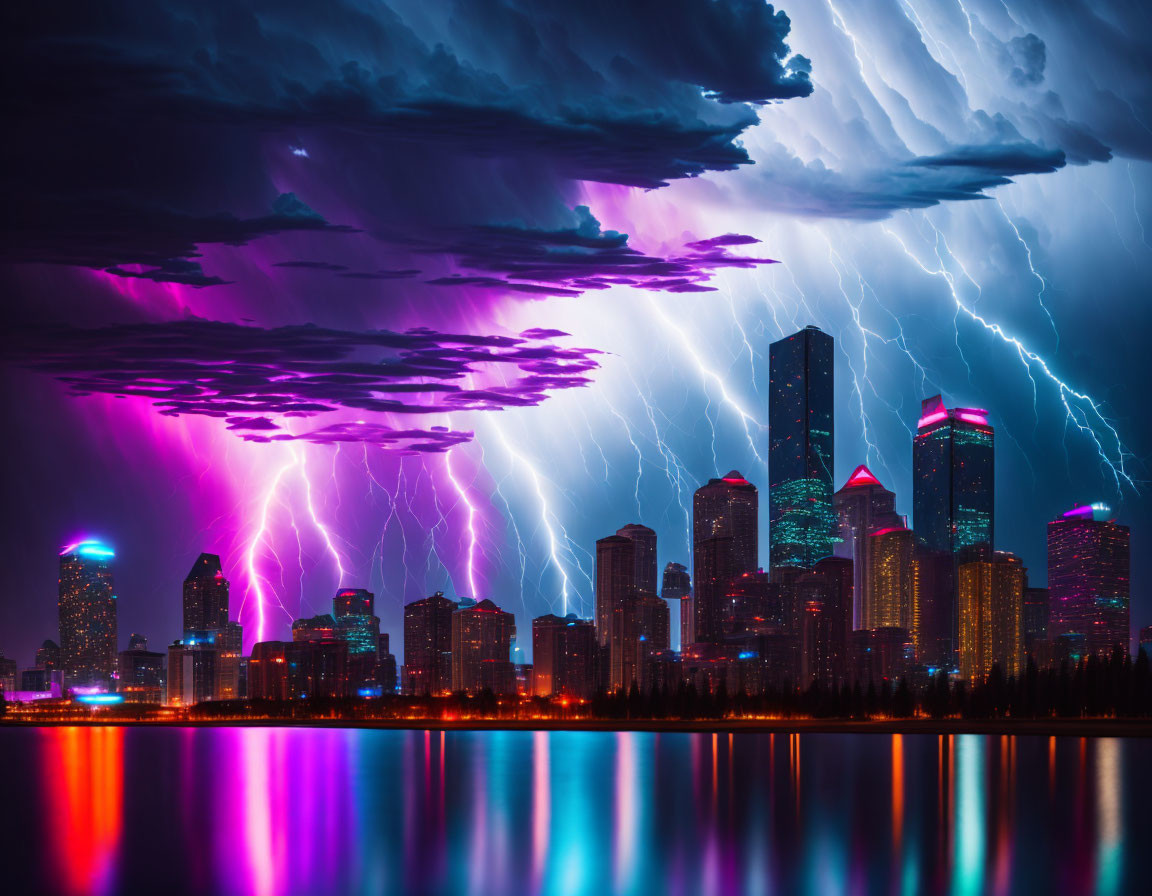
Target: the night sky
pixel 430 296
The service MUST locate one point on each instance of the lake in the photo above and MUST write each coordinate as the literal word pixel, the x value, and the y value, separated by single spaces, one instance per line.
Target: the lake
pixel 311 811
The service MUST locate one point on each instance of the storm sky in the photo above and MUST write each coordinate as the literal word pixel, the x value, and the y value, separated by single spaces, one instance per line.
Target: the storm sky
pixel 430 296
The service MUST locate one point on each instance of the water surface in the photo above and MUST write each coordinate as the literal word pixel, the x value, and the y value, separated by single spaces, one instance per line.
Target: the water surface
pixel 309 811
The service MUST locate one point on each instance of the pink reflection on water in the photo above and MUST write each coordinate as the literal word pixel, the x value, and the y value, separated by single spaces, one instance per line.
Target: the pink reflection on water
pixel 541 806
pixel 624 838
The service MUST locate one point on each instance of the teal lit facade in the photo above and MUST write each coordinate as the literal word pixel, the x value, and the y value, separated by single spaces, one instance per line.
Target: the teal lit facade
pixel 801 521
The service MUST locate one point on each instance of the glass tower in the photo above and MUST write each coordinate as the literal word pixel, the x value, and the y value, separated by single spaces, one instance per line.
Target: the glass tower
pixel 87 609
pixel 801 524
pixel 205 596
pixel 953 483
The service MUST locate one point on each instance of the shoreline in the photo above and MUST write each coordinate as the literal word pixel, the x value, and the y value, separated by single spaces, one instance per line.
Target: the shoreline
pixel 1127 728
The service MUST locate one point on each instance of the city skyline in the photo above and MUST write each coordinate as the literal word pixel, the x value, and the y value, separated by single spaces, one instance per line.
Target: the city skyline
pixel 888 569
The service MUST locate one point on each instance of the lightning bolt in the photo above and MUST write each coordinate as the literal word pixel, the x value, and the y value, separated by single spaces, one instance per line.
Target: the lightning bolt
pixel 1081 410
pixel 471 525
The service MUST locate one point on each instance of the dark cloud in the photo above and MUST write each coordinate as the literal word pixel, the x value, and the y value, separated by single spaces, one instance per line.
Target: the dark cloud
pixel 962 173
pixel 570 260
pixel 247 375
pixel 433 440
pixel 137 136
pixel 1028 56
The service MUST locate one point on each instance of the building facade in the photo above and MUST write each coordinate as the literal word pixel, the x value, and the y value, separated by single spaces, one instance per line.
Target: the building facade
pixel 800 449
pixel 725 544
pixel 644 540
pixel 427 668
pixel 862 507
pixel 991 615
pixel 1089 577
pixel 87 612
pixel 888 595
pixel 482 636
pixel 205 596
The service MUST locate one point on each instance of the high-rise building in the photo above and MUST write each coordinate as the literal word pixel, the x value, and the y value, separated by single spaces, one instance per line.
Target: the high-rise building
pixel 836 578
pixel 141 672
pixel 953 481
pixel 545 637
pixel 1036 616
pixel 801 525
pixel 1088 577
pixel 428 646
pixel 645 555
pixel 653 622
pixel 991 614
pixel 933 607
pixel 615 581
pixel 725 539
pixel 1145 642
pixel 268 671
pixel 87 609
pixel 482 636
pixel 192 672
pixel 317 668
pixel 677 586
pixel 888 595
pixel 356 623
pixel 205 596
pixel 862 507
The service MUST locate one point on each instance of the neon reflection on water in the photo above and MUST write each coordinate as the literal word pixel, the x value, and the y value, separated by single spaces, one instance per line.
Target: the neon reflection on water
pixel 1110 814
pixel 968 851
pixel 84 770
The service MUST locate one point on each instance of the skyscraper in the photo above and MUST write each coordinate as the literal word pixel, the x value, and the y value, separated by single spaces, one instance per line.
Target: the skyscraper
pixel 563 648
pixel 615 581
pixel 645 556
pixel 356 622
pixel 953 481
pixel 1088 577
pixel 677 586
pixel 991 615
pixel 482 636
pixel 888 596
pixel 725 533
pixel 862 507
pixel 800 448
pixel 87 609
pixel 953 501
pixel 205 596
pixel 428 646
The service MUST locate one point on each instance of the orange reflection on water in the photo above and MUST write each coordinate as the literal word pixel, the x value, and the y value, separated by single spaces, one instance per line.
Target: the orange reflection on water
pixel 897 792
pixel 84 768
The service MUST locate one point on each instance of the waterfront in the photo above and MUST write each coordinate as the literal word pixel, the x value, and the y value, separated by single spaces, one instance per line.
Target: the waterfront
pixel 92 810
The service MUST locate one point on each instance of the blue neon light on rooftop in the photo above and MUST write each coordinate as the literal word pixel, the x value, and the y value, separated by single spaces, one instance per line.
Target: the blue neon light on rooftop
pixel 89 548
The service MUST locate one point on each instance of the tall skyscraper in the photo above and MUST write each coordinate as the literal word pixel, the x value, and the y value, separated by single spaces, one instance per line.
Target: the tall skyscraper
pixel 953 480
pixel 953 499
pixel 428 646
pixel 563 651
pixel 645 541
pixel 991 615
pixel 725 534
pixel 677 586
pixel 888 595
pixel 800 449
pixel 482 636
pixel 205 596
pixel 87 609
pixel 1088 577
pixel 862 507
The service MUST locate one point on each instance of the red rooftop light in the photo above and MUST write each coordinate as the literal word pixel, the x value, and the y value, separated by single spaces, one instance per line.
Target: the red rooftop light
pixel 861 476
